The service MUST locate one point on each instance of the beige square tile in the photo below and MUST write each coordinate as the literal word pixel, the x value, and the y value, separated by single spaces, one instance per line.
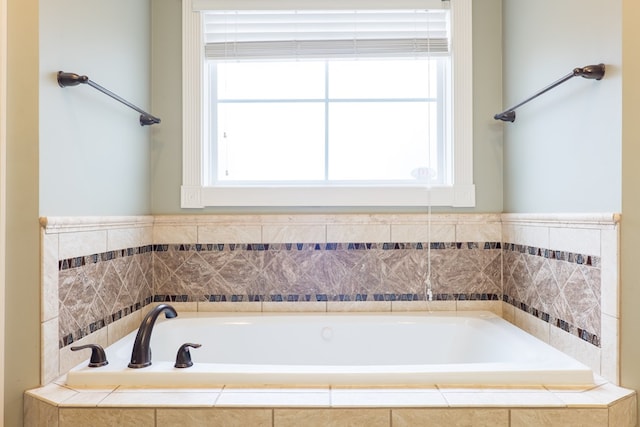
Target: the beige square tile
pixel 49 262
pixel 386 397
pixel 230 233
pixel 77 244
pixel 609 393
pixel 577 240
pixel 287 233
pixel 609 349
pixel 244 306
pixel 38 413
pixel 485 232
pixel 423 306
pixel 423 232
pixel 532 325
pixel 292 307
pixel 274 397
pixel 526 235
pixel 576 348
pixel 358 306
pixel 508 312
pixel 159 399
pixel 331 417
pixel 501 398
pixel 610 264
pixel 492 306
pixel 214 417
pixel 346 233
pixel 566 417
pixel 168 234
pixel 51 393
pixel 450 417
pixel 624 413
pixel 85 398
pixel 123 238
pixel 50 354
pixel 96 417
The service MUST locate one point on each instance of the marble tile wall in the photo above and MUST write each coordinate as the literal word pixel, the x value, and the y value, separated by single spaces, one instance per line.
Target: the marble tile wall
pixel 561 288
pixel 562 285
pixel 299 272
pixel 553 270
pixel 99 289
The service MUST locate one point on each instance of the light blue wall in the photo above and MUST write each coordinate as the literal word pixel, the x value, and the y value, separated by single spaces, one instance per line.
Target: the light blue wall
pixel 166 169
pixel 563 152
pixel 94 155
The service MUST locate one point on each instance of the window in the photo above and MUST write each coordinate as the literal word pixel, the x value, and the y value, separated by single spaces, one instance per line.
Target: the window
pixel 363 115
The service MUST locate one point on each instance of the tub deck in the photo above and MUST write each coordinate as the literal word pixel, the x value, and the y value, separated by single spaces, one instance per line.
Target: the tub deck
pixel 602 405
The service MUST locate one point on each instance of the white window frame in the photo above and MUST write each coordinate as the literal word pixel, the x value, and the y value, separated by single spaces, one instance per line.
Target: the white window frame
pixel 195 191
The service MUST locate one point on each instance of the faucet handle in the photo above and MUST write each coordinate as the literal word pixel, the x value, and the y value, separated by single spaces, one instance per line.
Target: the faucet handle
pixel 98 357
pixel 183 358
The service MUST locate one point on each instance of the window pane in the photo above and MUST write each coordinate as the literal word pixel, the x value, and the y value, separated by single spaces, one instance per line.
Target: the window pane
pixel 267 141
pixel 383 79
pixel 271 80
pixel 380 141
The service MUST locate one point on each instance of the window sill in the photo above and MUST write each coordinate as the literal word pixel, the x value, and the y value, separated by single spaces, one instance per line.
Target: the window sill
pixel 452 196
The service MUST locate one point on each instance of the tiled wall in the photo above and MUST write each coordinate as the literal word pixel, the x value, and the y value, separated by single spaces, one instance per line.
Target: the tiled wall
pixel 302 261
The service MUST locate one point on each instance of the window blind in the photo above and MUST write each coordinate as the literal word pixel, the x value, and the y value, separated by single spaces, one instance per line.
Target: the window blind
pixel 272 34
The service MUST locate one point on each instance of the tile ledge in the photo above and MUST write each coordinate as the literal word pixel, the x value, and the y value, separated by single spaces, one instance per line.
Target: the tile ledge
pixel 66 224
pixel 587 219
pixel 605 395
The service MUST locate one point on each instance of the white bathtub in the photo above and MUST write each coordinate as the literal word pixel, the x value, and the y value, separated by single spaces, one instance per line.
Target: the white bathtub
pixel 441 348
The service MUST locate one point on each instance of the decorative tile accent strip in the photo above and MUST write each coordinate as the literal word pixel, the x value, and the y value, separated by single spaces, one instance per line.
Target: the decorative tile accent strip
pixel 98 289
pixel 561 288
pixel 76 262
pixel 570 257
pixel 369 271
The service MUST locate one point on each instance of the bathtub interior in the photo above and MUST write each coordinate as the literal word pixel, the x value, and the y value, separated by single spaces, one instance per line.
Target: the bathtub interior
pixel 359 349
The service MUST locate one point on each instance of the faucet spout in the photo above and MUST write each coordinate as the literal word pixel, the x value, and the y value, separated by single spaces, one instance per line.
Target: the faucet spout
pixel 141 354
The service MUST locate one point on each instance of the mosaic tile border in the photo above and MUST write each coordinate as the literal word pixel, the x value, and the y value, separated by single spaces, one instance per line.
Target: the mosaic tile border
pixel 200 247
pixel 76 262
pixel 571 257
pixel 325 298
pixel 69 263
